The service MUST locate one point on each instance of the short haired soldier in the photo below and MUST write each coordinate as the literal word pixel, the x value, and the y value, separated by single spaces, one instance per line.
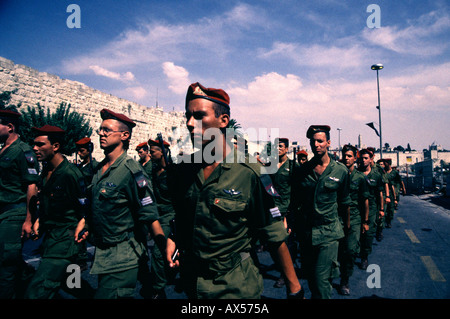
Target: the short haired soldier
pixel 19 175
pixel 123 204
pixel 321 197
pixel 359 215
pixel 222 203
pixel 62 210
pixel 145 158
pixel 376 204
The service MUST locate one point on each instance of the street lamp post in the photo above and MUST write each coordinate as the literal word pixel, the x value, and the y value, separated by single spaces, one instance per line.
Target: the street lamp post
pixel 379 67
pixel 339 141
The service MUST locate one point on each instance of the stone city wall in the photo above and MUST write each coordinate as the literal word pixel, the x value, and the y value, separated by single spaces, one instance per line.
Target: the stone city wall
pixel 50 90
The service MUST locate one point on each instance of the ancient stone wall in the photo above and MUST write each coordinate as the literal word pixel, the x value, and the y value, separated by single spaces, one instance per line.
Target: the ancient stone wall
pixel 50 90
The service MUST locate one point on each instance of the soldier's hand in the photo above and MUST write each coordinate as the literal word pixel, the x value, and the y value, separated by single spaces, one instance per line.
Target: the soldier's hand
pixel 80 232
pixel 365 228
pixel 172 254
pixel 35 232
pixel 388 200
pixel 27 229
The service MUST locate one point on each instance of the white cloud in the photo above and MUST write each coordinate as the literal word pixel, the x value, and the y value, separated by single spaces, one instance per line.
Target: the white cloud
pixel 178 77
pixel 98 70
pixel 317 55
pixel 418 38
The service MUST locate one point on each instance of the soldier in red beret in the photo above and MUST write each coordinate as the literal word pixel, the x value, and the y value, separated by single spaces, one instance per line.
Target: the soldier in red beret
pixel 85 147
pixel 123 204
pixel 62 210
pixel 19 175
pixel 223 205
pixel 145 158
pixel 302 157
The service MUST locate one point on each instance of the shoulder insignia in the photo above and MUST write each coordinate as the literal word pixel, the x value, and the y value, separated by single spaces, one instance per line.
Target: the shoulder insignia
pixel 268 186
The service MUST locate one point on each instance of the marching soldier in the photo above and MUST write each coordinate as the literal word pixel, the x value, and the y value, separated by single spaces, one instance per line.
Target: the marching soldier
pixel 302 157
pixel 123 205
pixel 145 158
pixel 159 269
pixel 222 204
pixel 320 195
pixel 62 210
pixel 85 147
pixel 376 205
pixel 359 213
pixel 19 175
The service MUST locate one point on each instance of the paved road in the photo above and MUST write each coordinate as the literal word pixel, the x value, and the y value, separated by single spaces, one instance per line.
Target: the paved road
pixel 411 262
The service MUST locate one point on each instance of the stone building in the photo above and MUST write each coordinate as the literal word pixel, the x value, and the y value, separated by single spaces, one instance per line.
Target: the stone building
pixel 50 90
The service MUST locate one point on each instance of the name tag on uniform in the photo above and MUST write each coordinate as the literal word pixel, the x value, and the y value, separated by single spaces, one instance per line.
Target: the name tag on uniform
pixel 275 212
pixel 32 171
pixel 146 201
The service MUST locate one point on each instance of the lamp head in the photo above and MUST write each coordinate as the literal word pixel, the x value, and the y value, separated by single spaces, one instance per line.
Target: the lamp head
pixel 378 66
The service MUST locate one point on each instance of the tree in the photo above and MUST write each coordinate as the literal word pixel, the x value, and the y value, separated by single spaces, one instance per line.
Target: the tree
pixel 399 148
pixel 235 126
pixel 74 123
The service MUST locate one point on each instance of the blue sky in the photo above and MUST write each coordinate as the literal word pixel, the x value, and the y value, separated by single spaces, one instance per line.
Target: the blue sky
pixel 285 64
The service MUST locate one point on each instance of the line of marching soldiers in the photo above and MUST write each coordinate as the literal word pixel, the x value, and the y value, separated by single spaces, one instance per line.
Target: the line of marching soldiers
pixel 205 217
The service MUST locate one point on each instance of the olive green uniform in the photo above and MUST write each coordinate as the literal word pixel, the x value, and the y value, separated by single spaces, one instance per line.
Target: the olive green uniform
pixel 376 185
pixel 394 180
pixel 18 169
pixel 122 204
pixel 380 219
pixel 88 170
pixel 349 246
pixel 217 220
pixel 166 214
pixel 319 199
pixel 62 205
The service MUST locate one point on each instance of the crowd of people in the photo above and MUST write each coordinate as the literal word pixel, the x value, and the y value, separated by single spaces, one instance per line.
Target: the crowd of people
pixel 205 214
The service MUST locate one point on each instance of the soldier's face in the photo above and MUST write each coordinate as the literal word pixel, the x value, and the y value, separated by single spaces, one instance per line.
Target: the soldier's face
pixel 4 132
pixel 366 160
pixel 282 149
pixel 349 158
pixel 44 149
pixel 156 153
pixel 111 134
pixel 83 153
pixel 319 143
pixel 202 123
pixel 142 154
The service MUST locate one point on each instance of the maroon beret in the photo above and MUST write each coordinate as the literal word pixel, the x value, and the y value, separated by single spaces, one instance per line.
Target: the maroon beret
pixel 156 143
pixel 141 145
pixel 108 114
pixel 302 152
pixel 10 114
pixel 47 130
pixel 196 91
pixel 313 129
pixel 84 141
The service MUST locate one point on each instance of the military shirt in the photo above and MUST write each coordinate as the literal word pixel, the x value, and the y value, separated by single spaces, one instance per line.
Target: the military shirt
pixel 394 181
pixel 122 202
pixel 376 185
pixel 359 192
pixel 88 170
pixel 319 198
pixel 62 204
pixel 219 217
pixel 163 197
pixel 18 169
pixel 282 183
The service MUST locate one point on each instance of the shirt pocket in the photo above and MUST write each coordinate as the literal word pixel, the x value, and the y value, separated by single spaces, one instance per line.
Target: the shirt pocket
pixel 233 209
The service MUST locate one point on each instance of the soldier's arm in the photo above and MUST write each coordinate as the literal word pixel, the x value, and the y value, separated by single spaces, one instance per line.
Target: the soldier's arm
pixel 27 225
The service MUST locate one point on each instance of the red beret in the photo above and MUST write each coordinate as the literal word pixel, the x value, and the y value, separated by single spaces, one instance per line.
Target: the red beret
pixel 108 114
pixel 10 114
pixel 313 129
pixel 156 143
pixel 141 145
pixel 83 141
pixel 47 130
pixel 196 91
pixel 302 152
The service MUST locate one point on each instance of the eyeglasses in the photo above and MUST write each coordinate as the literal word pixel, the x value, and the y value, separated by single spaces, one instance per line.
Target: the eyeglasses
pixel 106 131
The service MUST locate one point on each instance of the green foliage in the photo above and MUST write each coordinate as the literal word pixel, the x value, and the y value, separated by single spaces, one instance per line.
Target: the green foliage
pixel 74 123
pixel 235 126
